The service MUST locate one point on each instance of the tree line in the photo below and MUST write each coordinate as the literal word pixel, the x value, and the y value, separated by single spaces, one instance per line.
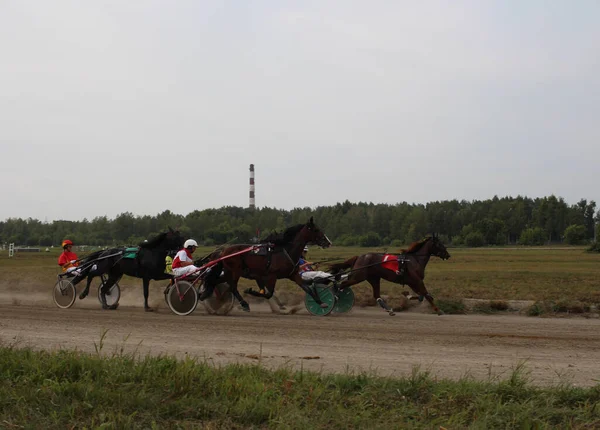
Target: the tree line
pixel 496 221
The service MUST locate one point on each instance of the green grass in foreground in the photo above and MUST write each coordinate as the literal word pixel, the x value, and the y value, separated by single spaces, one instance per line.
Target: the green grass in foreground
pixel 67 389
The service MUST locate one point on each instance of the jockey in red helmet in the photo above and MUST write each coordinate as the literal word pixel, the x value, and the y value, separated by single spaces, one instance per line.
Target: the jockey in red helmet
pixel 68 259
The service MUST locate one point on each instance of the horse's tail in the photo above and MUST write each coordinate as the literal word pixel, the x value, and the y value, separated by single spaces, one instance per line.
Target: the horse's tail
pixel 335 268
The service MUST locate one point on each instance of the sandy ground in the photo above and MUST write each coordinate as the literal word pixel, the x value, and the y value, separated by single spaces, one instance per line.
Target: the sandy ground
pixel 565 350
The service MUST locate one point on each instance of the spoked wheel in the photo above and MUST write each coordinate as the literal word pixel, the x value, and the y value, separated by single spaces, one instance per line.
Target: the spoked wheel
pixel 64 293
pixel 344 301
pixel 221 302
pixel 182 298
pixel 112 296
pixel 326 296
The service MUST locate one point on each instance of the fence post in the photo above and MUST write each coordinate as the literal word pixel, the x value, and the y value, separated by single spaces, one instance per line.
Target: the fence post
pixel 11 250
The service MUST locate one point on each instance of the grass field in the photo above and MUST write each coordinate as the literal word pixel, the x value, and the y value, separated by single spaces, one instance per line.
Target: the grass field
pixel 68 389
pixel 539 274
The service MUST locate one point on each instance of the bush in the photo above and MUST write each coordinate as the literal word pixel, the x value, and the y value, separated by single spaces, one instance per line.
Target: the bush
pixel 575 234
pixel 369 239
pixel 475 239
pixel 347 240
pixel 537 309
pixel 451 306
pixel 532 236
pixel 397 243
pixel 595 247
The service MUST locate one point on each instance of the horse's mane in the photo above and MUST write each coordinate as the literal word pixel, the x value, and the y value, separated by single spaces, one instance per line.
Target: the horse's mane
pixel 154 242
pixel 285 237
pixel 415 246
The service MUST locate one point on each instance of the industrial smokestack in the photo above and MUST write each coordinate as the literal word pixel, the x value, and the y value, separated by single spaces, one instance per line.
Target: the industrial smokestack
pixel 252 201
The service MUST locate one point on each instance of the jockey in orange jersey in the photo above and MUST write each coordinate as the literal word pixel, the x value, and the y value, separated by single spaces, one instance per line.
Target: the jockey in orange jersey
pixel 68 259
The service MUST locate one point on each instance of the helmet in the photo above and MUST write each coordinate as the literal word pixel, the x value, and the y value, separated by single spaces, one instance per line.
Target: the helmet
pixel 190 242
pixel 306 248
pixel 66 242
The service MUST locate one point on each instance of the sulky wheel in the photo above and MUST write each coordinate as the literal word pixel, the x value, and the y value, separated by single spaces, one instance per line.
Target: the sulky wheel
pixel 64 293
pixel 221 302
pixel 112 296
pixel 182 298
pixel 344 301
pixel 326 296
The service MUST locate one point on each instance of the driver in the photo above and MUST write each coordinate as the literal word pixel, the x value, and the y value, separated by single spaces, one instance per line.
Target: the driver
pixel 68 259
pixel 183 264
pixel 306 269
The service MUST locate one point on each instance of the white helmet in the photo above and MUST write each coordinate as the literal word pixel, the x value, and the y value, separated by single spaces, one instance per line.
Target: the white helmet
pixel 190 242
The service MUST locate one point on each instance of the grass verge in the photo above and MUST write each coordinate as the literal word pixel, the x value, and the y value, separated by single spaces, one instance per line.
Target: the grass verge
pixel 68 389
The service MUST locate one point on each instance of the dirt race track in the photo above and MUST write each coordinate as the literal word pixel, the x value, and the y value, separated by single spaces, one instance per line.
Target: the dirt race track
pixel 367 339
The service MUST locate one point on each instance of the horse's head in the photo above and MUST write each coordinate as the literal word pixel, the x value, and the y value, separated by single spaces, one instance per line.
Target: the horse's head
pixel 173 239
pixel 313 234
pixel 438 249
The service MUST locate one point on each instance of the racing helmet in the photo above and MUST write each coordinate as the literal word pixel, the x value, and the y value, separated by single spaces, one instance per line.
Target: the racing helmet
pixel 66 243
pixel 189 243
pixel 306 249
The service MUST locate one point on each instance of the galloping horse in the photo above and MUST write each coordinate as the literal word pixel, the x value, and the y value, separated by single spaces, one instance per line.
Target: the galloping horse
pixel 148 263
pixel 410 269
pixel 267 267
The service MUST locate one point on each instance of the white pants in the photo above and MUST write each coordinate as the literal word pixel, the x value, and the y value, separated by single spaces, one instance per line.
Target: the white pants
pixel 313 274
pixel 181 271
pixel 73 271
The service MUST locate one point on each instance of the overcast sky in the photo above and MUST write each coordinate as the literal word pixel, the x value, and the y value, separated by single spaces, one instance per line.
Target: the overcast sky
pixel 143 106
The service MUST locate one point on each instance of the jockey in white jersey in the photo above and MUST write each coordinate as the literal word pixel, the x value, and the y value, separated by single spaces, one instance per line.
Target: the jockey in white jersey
pixel 183 263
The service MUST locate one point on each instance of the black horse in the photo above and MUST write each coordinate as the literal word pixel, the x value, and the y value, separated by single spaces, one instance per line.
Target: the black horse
pixel 147 263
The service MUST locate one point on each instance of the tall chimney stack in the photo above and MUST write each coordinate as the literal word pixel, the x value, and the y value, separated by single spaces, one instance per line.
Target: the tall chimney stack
pixel 252 201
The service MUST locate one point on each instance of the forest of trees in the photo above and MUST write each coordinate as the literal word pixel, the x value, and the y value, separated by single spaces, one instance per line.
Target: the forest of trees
pixel 496 221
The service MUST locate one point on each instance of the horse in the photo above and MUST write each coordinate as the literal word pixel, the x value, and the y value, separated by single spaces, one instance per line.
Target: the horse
pixel 148 263
pixel 372 267
pixel 267 267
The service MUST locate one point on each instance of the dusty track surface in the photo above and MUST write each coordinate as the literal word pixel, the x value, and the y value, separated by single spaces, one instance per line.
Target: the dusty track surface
pixel 554 350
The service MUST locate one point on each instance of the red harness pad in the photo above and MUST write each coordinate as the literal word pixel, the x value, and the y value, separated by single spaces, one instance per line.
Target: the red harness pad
pixel 390 262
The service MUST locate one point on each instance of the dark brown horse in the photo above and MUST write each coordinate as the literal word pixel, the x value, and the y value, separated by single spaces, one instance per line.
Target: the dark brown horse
pixel 410 270
pixel 267 267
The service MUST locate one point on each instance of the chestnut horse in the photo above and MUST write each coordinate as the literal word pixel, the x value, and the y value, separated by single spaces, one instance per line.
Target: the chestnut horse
pixel 268 266
pixel 411 270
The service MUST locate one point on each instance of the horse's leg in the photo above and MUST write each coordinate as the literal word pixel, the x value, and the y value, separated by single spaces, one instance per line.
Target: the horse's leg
pixel 211 280
pixel 418 287
pixel 86 290
pixel 232 280
pixel 375 282
pixel 147 307
pixel 106 286
pixel 270 292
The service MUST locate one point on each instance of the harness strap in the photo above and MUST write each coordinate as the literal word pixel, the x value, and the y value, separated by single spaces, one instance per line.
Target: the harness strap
pixel 294 269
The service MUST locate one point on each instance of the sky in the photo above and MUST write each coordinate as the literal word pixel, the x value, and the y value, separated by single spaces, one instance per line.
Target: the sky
pixel 145 106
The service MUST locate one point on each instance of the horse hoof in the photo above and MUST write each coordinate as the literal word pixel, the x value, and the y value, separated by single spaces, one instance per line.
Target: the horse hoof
pixel 113 307
pixel 392 313
pixel 148 309
pixel 245 306
pixel 82 296
pixel 324 305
